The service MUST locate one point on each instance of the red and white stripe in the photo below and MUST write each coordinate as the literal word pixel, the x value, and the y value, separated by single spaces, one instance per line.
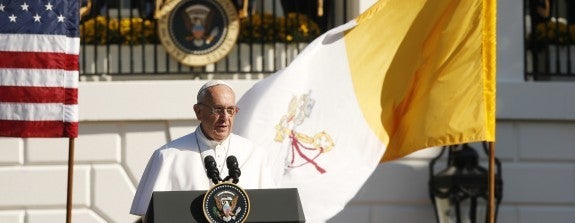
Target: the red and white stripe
pixel 39 85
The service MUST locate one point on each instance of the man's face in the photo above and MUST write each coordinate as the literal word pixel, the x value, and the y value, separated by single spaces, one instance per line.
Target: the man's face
pixel 216 122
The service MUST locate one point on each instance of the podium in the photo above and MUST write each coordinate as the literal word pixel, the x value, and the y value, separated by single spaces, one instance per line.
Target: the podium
pixel 266 205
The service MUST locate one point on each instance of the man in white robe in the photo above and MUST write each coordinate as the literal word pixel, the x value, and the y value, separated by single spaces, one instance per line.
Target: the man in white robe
pixel 179 165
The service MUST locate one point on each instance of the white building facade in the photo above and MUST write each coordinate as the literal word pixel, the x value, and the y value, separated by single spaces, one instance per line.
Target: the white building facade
pixel 122 122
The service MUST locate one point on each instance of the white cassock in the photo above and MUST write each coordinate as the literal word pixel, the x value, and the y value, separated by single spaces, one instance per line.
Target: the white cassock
pixel 179 165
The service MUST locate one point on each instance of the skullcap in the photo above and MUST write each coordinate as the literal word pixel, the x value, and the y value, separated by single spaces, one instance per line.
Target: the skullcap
pixel 211 84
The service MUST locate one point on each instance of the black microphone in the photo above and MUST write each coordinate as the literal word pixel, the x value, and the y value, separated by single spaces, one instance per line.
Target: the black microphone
pixel 212 169
pixel 234 171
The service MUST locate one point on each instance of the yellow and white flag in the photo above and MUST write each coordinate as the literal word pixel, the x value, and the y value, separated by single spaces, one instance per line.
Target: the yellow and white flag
pixel 403 76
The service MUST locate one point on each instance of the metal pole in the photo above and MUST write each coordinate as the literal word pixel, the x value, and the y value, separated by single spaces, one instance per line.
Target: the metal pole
pixel 70 180
pixel 491 205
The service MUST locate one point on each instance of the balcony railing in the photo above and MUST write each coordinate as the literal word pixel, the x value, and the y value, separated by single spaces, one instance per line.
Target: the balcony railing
pixel 549 39
pixel 121 37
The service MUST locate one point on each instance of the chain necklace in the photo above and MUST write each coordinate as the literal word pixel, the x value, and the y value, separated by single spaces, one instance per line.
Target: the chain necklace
pixel 200 149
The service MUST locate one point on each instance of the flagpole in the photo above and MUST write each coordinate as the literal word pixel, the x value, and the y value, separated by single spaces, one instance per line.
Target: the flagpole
pixel 491 205
pixel 70 180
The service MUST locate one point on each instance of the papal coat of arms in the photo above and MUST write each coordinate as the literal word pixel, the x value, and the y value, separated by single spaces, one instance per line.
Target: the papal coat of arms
pixel 305 149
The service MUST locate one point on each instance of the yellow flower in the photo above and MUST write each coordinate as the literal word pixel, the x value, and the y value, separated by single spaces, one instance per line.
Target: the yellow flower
pixel 554 32
pixel 267 28
pixel 102 30
pixel 303 28
pixel 256 28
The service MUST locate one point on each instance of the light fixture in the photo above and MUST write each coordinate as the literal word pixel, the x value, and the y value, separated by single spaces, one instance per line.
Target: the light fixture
pixel 460 192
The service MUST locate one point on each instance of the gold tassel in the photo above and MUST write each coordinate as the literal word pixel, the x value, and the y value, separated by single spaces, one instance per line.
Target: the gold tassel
pixel 244 11
pixel 320 8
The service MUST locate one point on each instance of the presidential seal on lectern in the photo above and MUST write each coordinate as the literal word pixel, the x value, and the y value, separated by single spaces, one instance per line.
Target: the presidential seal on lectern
pixel 226 203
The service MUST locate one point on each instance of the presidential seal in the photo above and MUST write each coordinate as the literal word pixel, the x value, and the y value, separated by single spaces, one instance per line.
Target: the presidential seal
pixel 227 203
pixel 198 32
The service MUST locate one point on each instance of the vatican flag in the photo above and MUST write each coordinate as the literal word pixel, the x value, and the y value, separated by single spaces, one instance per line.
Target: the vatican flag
pixel 403 76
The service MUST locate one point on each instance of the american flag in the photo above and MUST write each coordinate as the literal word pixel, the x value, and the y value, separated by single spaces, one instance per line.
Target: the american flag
pixel 39 71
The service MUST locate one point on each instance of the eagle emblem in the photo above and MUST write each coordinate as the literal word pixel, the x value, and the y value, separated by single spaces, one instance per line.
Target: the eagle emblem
pixel 198 32
pixel 227 203
pixel 198 22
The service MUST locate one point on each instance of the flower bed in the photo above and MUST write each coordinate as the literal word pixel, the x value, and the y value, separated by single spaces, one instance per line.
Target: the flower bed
pixel 257 28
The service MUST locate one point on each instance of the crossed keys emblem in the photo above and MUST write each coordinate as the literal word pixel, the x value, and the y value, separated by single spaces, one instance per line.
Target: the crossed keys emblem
pixel 305 149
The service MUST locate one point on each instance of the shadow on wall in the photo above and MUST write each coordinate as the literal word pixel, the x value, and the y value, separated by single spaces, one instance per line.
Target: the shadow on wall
pixel 403 181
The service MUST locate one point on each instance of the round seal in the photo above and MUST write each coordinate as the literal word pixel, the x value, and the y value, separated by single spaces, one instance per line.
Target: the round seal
pixel 226 203
pixel 198 32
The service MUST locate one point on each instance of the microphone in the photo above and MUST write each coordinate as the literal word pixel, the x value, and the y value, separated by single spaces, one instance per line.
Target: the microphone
pixel 234 171
pixel 212 169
